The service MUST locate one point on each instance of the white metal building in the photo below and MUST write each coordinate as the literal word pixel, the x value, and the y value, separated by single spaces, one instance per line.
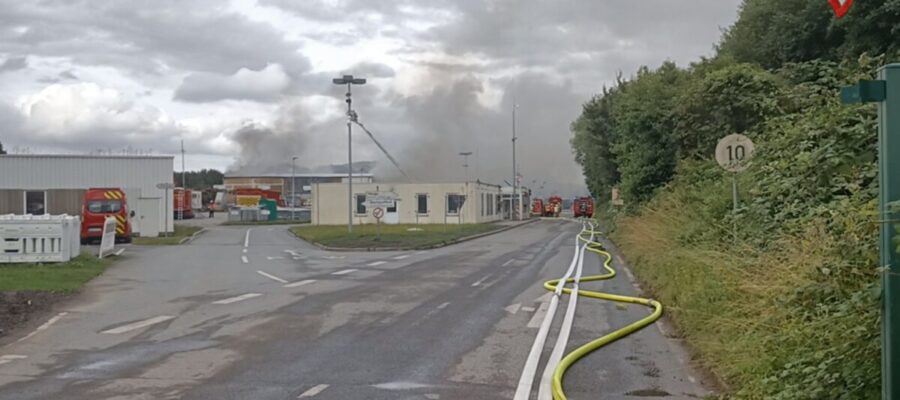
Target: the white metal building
pixel 55 184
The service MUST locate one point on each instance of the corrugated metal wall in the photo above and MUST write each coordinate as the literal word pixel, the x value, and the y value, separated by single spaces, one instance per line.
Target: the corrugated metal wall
pixel 138 175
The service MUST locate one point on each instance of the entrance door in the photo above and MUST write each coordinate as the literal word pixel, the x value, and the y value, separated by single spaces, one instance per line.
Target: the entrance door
pixel 391 216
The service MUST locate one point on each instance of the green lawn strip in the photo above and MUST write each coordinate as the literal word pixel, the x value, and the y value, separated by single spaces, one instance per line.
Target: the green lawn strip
pixel 53 277
pixel 278 222
pixel 181 232
pixel 406 235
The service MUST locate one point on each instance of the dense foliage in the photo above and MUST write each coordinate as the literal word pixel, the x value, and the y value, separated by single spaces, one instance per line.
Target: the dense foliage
pixel 200 180
pixel 792 310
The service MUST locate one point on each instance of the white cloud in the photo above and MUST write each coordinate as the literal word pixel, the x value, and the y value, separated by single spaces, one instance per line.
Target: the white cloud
pixel 266 84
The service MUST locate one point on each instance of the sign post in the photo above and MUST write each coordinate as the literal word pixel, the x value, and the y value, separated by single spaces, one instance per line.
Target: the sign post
pixel 733 153
pixel 378 213
pixel 165 187
pixel 886 92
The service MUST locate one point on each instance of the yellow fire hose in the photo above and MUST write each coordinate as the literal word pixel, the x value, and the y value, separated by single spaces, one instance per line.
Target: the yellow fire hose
pixel 571 358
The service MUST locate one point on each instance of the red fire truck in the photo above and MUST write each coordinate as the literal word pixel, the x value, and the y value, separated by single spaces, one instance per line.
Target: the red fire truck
pixel 583 207
pixel 182 206
pixel 100 203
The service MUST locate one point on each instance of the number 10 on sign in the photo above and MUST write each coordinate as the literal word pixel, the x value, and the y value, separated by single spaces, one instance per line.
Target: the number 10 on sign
pixel 734 153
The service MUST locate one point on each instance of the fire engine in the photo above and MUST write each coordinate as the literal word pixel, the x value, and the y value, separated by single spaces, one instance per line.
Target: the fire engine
pixel 100 203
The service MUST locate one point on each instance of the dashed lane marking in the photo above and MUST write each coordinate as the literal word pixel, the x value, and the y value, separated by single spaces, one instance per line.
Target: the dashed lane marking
pixel 512 309
pixel 345 272
pixel 138 325
pixel 44 326
pixel 313 391
pixel 247 239
pixel 527 309
pixel 443 305
pixel 509 262
pixel 480 281
pixel 274 258
pixel 301 283
pixel 272 277
pixel 376 263
pixel 245 250
pixel 244 260
pixel 10 358
pixel 238 298
pixel 401 257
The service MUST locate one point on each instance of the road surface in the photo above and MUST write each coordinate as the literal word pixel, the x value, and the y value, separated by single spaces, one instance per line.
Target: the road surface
pixel 257 314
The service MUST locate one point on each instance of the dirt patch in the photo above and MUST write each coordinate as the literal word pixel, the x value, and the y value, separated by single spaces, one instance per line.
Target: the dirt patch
pixel 17 308
pixel 648 393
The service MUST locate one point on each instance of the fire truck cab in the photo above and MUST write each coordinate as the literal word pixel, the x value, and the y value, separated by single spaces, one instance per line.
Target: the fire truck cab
pixel 100 203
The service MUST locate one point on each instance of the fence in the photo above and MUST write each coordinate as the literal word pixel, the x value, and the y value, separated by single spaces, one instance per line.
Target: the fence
pixel 39 238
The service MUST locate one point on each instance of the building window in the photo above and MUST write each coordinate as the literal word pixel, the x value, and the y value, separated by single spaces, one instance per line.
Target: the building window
pixel 35 203
pixel 360 204
pixel 490 204
pixel 455 203
pixel 392 208
pixel 422 203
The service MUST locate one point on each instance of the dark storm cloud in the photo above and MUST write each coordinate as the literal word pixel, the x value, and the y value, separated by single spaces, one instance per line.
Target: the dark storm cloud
pixel 194 35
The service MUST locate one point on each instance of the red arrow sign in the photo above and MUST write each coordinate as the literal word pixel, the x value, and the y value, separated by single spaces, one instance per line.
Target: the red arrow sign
pixel 840 6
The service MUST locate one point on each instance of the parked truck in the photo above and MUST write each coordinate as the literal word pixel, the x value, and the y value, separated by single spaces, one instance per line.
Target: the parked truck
pixel 553 206
pixel 182 206
pixel 244 197
pixel 99 204
pixel 537 207
pixel 583 207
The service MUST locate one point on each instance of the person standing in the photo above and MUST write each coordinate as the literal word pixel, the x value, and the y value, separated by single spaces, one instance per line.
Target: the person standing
pixel 212 210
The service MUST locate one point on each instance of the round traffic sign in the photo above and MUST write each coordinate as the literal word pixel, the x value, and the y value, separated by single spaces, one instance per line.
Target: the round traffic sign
pixel 378 213
pixel 734 152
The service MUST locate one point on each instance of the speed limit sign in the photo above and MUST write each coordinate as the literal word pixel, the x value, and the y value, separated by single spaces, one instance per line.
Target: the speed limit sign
pixel 734 152
pixel 378 213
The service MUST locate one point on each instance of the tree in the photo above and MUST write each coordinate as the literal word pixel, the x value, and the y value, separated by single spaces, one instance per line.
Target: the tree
pixel 592 142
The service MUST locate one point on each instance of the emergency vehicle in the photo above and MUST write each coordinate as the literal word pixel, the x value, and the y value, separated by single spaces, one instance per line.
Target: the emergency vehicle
pixel 100 203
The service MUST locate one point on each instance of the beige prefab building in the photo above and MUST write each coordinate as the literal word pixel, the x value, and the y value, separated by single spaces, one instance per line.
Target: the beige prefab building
pixel 418 203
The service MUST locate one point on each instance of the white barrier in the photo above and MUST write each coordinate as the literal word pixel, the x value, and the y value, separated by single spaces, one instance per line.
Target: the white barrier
pixel 39 238
pixel 108 240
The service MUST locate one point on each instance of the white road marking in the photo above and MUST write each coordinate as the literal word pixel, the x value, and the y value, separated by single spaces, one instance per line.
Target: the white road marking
pixel 545 298
pixel 247 239
pixel 245 250
pixel 313 391
pixel 301 283
pixel 538 317
pixel 274 258
pixel 10 358
pixel 509 262
pixel 692 379
pixel 401 257
pixel 376 263
pixel 420 252
pixel 345 272
pixel 333 257
pixel 480 281
pixel 443 306
pixel 272 277
pixel 237 298
pixel 513 308
pixel 44 326
pixel 293 253
pixel 244 259
pixel 138 325
pixel 528 309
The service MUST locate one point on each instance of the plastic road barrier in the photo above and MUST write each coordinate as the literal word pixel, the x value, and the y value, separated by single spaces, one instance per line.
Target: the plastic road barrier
pixel 108 240
pixel 39 238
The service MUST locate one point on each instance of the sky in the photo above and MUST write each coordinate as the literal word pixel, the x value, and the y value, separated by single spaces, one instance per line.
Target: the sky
pixel 246 84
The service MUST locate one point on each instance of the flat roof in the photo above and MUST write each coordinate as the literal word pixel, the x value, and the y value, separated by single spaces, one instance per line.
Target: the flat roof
pixel 298 175
pixel 93 156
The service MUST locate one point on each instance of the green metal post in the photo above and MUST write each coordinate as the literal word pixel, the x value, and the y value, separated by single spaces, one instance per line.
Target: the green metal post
pixel 889 168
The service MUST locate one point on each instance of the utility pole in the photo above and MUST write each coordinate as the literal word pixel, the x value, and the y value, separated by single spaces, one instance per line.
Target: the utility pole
pixel 886 92
pixel 514 208
pixel 349 80
pixel 293 191
pixel 183 183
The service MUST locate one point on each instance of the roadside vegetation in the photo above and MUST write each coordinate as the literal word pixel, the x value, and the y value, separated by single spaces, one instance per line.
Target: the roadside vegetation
pixel 52 277
pixel 181 232
pixel 780 298
pixel 389 236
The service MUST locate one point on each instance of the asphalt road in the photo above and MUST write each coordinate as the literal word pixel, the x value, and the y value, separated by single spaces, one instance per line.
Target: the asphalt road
pixel 262 315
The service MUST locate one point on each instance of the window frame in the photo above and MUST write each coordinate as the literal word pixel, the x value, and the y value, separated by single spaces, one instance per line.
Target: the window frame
pixel 360 204
pixel 25 201
pixel 419 209
pixel 459 205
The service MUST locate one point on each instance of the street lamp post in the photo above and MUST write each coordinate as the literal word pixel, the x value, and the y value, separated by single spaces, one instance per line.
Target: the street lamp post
pixel 466 154
pixel 515 195
pixel 293 190
pixel 349 80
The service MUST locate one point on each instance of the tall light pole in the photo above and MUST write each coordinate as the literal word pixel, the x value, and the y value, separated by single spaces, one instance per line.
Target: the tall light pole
pixel 515 195
pixel 293 184
pixel 466 154
pixel 349 80
pixel 183 182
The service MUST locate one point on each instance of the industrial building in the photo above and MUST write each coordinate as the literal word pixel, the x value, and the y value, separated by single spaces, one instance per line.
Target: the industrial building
pixel 417 203
pixel 55 184
pixel 281 183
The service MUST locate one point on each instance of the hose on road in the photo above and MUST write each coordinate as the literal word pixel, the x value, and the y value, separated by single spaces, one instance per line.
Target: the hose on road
pixel 587 235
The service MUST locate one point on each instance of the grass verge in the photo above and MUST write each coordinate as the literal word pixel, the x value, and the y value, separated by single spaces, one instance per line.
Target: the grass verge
pixel 278 222
pixel 58 277
pixel 181 232
pixel 391 236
